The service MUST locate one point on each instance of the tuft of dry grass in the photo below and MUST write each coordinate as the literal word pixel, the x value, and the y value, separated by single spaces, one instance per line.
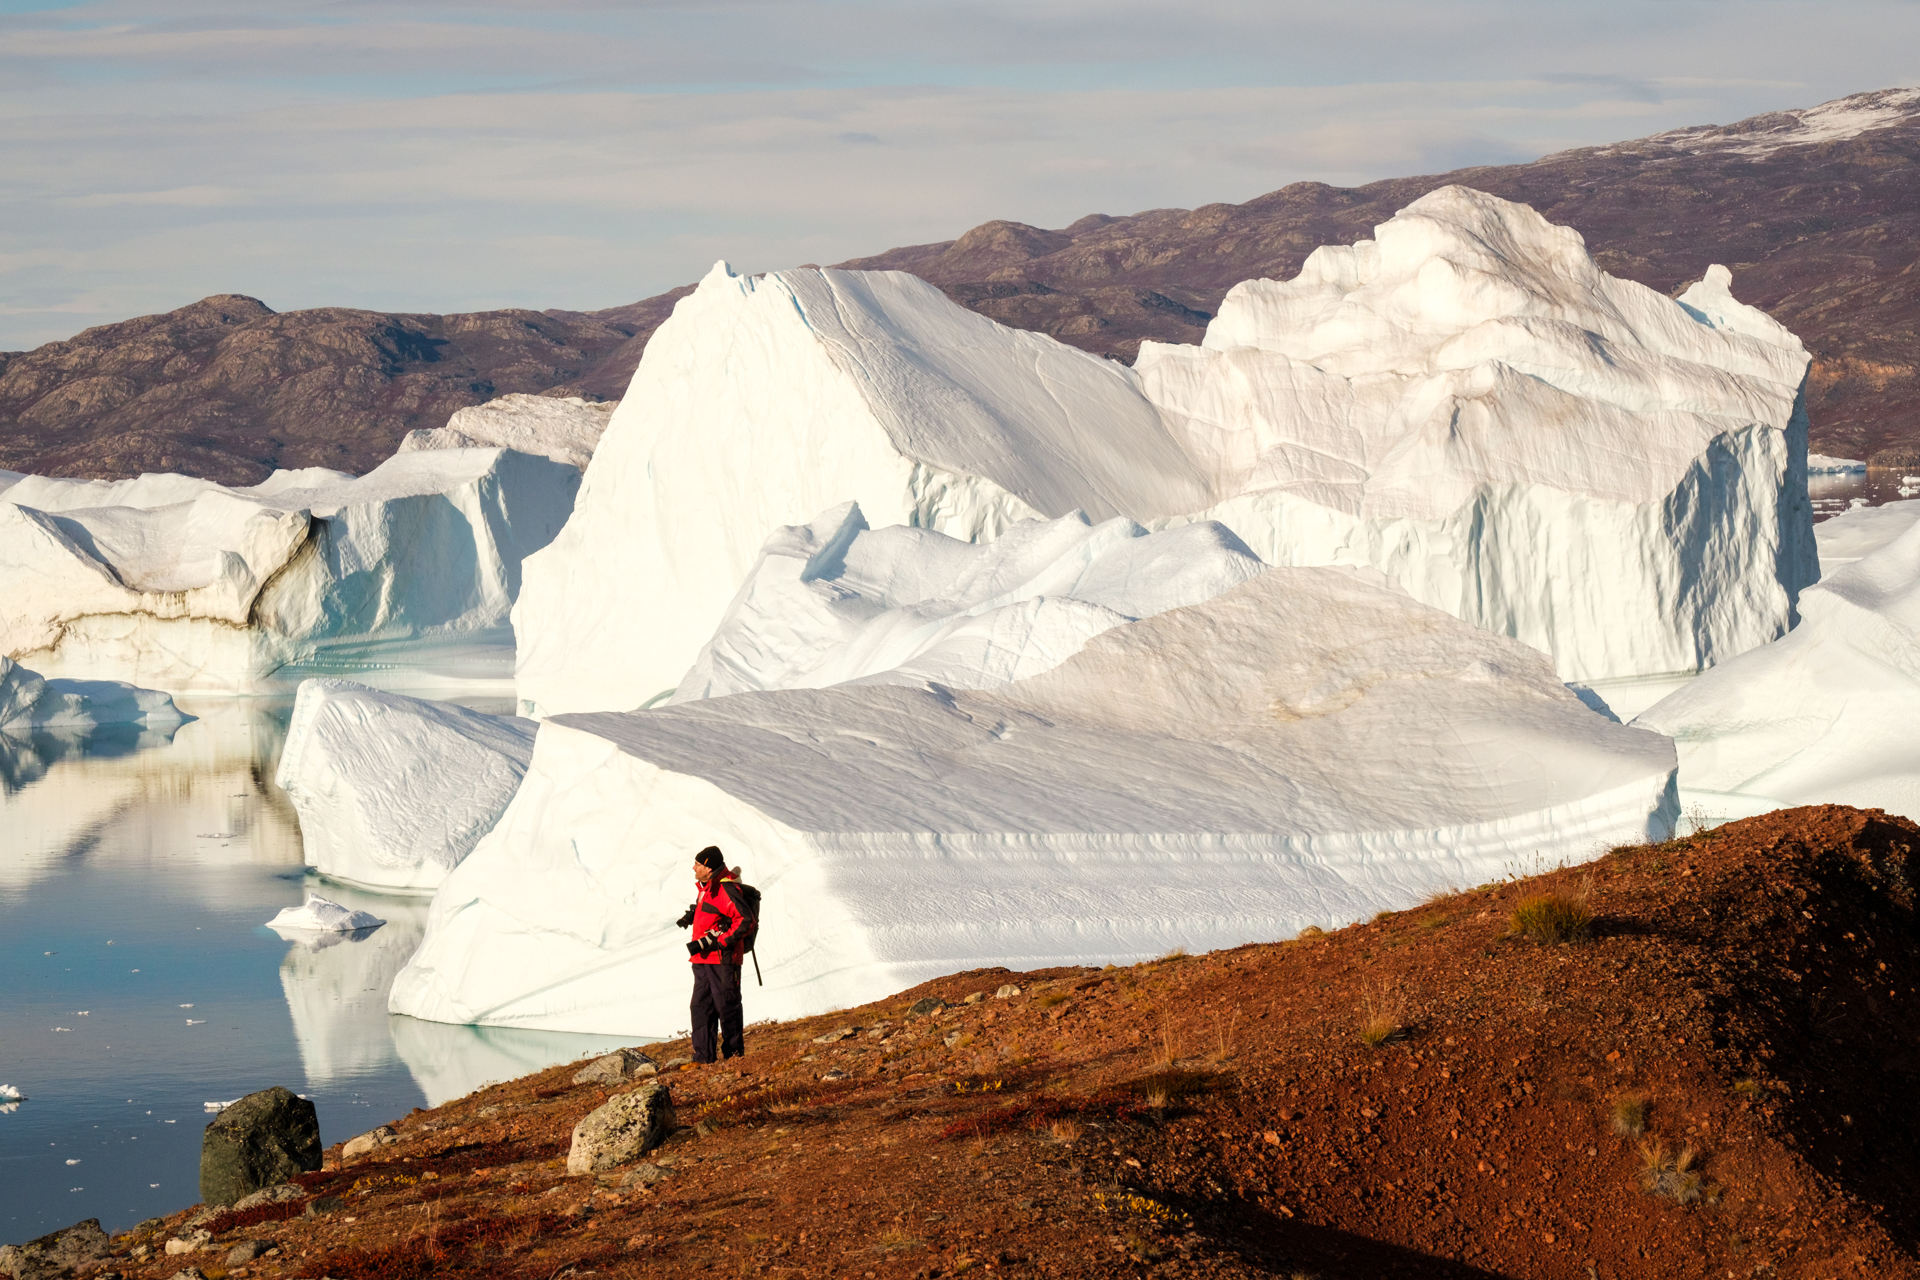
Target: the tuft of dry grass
pixel 1224 1031
pixel 1178 953
pixel 1671 1175
pixel 1630 1115
pixel 1065 1132
pixel 1384 1021
pixel 1312 933
pixel 1553 918
pixel 894 1239
pixel 1157 1099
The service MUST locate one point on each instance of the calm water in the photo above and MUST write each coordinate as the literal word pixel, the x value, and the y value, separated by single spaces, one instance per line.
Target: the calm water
pixel 137 980
pixel 1833 494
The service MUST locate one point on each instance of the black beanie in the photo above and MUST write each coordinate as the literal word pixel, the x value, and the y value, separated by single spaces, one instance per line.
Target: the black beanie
pixel 711 857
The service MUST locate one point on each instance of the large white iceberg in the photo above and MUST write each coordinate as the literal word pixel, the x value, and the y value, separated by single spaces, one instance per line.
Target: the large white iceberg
pixel 171 581
pixel 30 701
pixel 1466 403
pixel 394 791
pixel 1826 714
pixel 834 601
pixel 1469 404
pixel 1306 748
pixel 563 429
pixel 764 400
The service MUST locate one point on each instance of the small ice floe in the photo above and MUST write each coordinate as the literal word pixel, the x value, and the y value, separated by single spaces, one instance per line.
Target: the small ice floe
pixel 196 1022
pixel 73 1162
pixel 321 916
pixel 219 1106
pixel 10 1099
pixel 186 1006
pixel 81 1013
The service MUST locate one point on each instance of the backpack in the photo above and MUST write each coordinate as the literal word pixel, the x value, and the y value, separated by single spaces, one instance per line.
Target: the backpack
pixel 750 899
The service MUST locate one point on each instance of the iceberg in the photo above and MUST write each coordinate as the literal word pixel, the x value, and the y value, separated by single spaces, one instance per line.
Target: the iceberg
pixel 171 581
pixel 30 701
pixel 1826 714
pixel 835 602
pixel 1855 534
pixel 1469 404
pixel 336 985
pixel 392 791
pixel 1819 464
pixel 1466 403
pixel 764 400
pixel 1309 747
pixel 318 915
pixel 564 430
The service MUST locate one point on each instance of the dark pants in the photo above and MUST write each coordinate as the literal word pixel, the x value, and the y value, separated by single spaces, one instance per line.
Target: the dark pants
pixel 716 1008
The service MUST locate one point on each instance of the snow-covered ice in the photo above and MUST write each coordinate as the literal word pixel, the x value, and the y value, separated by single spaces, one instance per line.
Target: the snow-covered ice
pixel 30 701
pixel 171 581
pixel 394 791
pixel 1469 404
pixel 565 430
pixel 834 601
pixel 1322 746
pixel 1826 714
pixel 1466 403
pixel 1861 532
pixel 763 401
pixel 319 915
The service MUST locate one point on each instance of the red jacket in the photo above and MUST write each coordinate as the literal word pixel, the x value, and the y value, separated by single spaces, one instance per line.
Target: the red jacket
pixel 721 911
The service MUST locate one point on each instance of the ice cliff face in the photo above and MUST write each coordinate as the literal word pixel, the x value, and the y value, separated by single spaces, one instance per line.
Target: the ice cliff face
pixel 183 583
pixel 1466 403
pixel 1324 746
pixel 768 399
pixel 392 792
pixel 565 430
pixel 1469 404
pixel 834 601
pixel 1825 714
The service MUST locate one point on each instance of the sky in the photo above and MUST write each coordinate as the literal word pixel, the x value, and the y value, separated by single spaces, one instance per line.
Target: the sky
pixel 422 156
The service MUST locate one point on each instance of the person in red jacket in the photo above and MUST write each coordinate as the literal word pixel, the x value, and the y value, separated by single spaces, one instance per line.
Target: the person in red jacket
pixel 721 925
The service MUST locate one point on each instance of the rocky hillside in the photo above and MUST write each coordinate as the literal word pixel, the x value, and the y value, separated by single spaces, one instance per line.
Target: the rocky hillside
pixel 1816 211
pixel 1713 1077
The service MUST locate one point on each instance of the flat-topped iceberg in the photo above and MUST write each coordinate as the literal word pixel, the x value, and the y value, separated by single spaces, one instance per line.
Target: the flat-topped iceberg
pixel 834 601
pixel 1468 403
pixel 171 581
pixel 30 701
pixel 393 791
pixel 1321 746
pixel 323 915
pixel 1826 714
pixel 763 401
pixel 563 429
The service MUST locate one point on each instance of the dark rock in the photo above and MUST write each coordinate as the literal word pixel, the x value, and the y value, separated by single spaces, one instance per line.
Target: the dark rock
pixel 260 1141
pixel 55 1254
pixel 921 1008
pixel 324 1204
pixel 272 1195
pixel 246 1251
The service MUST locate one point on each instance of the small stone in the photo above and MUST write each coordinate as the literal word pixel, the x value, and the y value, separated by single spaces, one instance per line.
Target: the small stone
pixel 645 1174
pixel 921 1008
pixel 975 998
pixel 383 1136
pixel 622 1129
pixel 246 1251
pixel 835 1074
pixel 832 1037
pixel 1007 992
pixel 617 1067
pixel 672 1063
pixel 192 1242
pixel 324 1204
pixel 280 1194
pixel 191 1273
pixel 954 1038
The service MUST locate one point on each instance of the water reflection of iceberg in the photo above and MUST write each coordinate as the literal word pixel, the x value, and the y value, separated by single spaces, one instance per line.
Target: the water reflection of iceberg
pixel 336 986
pixel 123 793
pixel 449 1061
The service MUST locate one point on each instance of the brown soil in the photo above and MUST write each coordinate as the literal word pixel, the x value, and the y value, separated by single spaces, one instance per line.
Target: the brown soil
pixel 1742 995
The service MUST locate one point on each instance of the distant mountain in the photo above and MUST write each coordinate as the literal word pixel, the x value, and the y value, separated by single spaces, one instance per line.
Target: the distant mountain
pixel 1815 210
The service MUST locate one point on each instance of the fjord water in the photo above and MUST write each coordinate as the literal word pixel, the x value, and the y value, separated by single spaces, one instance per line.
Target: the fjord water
pixel 138 982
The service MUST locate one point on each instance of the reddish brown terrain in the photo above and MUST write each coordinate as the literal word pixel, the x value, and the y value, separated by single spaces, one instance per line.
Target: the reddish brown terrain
pixel 1718 1081
pixel 1821 231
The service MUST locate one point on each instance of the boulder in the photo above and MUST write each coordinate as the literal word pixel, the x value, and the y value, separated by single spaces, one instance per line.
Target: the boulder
pixel 617 1067
pixel 622 1130
pixel 272 1195
pixel 55 1254
pixel 246 1251
pixel 262 1140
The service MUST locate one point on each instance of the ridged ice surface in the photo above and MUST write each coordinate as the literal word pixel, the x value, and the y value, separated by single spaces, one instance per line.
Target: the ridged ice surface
pixel 1826 714
pixel 1307 747
pixel 392 791
pixel 181 583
